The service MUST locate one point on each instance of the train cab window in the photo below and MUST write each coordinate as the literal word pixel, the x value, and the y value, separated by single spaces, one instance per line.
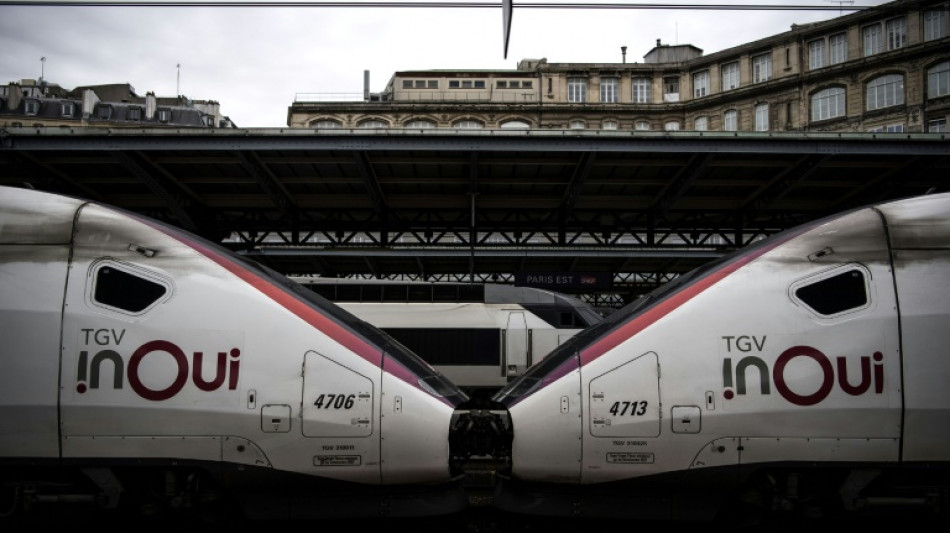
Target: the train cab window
pixel 836 293
pixel 125 290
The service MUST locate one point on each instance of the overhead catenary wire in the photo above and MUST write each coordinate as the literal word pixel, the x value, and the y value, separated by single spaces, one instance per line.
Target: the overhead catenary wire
pixel 398 4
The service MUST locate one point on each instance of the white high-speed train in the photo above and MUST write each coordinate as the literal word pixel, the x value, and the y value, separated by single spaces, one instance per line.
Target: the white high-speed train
pixel 807 373
pixel 144 368
pixel 480 336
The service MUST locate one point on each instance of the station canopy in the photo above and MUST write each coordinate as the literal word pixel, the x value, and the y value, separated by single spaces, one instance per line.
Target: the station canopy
pixel 606 214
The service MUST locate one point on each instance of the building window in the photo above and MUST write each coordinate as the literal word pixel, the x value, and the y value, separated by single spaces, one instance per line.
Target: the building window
pixel 515 125
pixel 827 103
pixel 135 113
pixel 468 125
pixel 938 80
pixel 578 125
pixel 609 125
pixel 839 48
pixel 730 76
pixel 885 91
pixel 762 117
pixel 420 84
pixel 164 115
pixel 608 90
pixel 890 128
pixel 671 89
pixel 31 107
pixel 67 108
pixel 816 54
pixel 701 84
pixel 872 39
pixel 896 33
pixel 700 124
pixel 419 123
pixel 730 120
pixel 671 125
pixel 642 90
pixel 937 125
pixel 325 124
pixel 761 68
pixel 576 90
pixel 936 24
pixel 642 125
pixel 466 84
pixel 104 112
pixel 372 123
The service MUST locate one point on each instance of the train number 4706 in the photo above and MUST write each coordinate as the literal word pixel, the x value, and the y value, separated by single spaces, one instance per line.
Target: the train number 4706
pixel 634 408
pixel 335 401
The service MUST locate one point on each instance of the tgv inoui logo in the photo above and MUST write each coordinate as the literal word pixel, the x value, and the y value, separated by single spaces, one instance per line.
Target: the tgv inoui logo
pixel 736 374
pixel 90 366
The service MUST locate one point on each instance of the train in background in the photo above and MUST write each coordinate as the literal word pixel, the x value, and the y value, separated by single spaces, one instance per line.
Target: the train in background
pixel 805 375
pixel 147 370
pixel 479 335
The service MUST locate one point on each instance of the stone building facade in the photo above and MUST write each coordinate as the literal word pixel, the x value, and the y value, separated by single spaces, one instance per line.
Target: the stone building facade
pixel 883 69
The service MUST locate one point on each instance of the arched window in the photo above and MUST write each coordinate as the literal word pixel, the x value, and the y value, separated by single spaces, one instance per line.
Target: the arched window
pixel 827 103
pixel 643 125
pixel 578 125
pixel 468 125
pixel 671 125
pixel 515 125
pixel 372 123
pixel 323 124
pixel 420 123
pixel 609 125
pixel 700 124
pixel 885 91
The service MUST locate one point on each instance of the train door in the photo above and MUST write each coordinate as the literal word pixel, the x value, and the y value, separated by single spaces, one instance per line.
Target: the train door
pixel 622 418
pixel 31 301
pixel 921 256
pixel 338 410
pixel 516 345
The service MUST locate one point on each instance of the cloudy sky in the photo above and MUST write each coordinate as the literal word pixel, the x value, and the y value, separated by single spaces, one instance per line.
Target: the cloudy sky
pixel 254 61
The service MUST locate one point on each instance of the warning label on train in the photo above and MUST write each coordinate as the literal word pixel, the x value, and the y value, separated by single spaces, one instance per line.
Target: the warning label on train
pixel 630 458
pixel 336 460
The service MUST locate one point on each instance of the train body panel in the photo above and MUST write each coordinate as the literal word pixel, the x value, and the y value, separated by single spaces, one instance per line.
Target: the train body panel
pixel 794 356
pixel 136 343
pixel 920 237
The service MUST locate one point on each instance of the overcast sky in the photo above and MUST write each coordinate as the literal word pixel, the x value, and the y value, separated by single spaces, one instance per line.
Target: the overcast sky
pixel 255 60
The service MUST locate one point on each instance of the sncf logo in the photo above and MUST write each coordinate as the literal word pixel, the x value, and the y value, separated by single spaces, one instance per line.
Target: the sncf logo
pixel 107 363
pixel 830 373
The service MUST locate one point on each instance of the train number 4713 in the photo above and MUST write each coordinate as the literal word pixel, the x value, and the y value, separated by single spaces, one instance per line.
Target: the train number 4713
pixel 635 408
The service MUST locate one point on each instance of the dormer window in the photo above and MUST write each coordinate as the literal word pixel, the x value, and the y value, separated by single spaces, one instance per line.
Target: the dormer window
pixel 103 112
pixel 31 107
pixel 67 108
pixel 135 113
pixel 163 115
